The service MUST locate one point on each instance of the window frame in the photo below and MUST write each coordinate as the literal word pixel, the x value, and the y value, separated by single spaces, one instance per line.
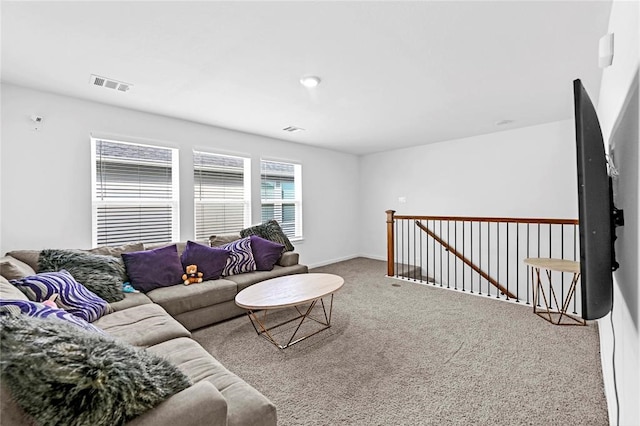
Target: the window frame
pixel 246 201
pixel 173 203
pixel 296 201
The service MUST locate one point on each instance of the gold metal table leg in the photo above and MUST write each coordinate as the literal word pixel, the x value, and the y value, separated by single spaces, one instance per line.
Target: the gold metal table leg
pixel 262 330
pixel 547 312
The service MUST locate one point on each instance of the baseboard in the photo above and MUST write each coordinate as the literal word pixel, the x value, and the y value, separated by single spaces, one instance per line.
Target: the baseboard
pixel 374 257
pixel 342 259
pixel 329 262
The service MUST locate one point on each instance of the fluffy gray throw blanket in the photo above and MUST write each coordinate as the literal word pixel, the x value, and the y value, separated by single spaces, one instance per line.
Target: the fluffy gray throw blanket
pixel 101 274
pixel 62 375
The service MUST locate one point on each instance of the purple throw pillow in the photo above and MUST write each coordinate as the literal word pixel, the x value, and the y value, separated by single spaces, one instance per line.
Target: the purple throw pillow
pixel 149 269
pixel 266 253
pixel 210 260
pixel 72 296
pixel 38 310
pixel 240 257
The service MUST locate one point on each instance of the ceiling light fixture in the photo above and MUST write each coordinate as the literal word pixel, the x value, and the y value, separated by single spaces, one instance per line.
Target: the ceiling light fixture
pixel 503 122
pixel 310 81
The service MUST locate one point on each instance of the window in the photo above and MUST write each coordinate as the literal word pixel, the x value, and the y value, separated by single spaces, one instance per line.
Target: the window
pixel 281 194
pixel 222 193
pixel 135 193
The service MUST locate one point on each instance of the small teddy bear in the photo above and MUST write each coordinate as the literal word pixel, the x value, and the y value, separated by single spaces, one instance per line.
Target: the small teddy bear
pixel 192 275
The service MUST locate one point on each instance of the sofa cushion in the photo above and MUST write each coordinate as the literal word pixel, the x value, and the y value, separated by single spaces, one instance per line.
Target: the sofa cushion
pixel 210 261
pixel 103 275
pixel 245 280
pixel 149 269
pixel 12 414
pixel 142 325
pixel 181 245
pixel 270 230
pixel 266 253
pixel 183 298
pixel 60 375
pixel 70 295
pixel 12 268
pixel 38 310
pixel 9 291
pixel 245 405
pixel 240 257
pixel 222 239
pixel 30 257
pixel 130 300
pixel 207 315
pixel 116 251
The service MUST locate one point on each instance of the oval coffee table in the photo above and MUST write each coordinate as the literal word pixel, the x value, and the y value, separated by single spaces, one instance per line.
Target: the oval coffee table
pixel 289 291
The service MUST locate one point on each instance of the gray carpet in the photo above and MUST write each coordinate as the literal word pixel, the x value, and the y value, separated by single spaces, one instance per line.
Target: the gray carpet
pixel 419 355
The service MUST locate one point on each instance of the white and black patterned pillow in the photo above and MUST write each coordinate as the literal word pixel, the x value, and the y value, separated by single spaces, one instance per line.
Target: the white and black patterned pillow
pixel 271 231
pixel 61 375
pixel 71 295
pixel 240 257
pixel 38 310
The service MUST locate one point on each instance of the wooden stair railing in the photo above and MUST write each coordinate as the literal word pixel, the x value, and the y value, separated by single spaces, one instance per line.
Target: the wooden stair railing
pixel 466 261
pixel 390 244
pixel 506 223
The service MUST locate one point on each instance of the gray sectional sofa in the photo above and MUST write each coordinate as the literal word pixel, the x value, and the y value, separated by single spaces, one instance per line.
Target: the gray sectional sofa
pixel 160 322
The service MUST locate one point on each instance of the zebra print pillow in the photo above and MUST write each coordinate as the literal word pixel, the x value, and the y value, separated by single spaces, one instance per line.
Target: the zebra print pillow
pixel 38 310
pixel 73 297
pixel 240 257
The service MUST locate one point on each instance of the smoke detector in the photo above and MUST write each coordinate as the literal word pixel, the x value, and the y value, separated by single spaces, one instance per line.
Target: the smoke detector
pixel 110 83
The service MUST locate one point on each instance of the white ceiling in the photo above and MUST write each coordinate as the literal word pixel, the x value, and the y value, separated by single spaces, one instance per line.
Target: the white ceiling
pixel 394 74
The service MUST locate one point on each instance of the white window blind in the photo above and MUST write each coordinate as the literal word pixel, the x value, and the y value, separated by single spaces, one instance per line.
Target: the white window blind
pixel 281 195
pixel 135 193
pixel 222 193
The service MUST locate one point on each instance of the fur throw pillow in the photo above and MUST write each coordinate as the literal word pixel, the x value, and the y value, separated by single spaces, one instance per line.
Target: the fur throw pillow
pixel 101 274
pixel 271 231
pixel 59 374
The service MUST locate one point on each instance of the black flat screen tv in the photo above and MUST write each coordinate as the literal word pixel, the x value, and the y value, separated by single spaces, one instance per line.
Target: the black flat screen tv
pixel 596 213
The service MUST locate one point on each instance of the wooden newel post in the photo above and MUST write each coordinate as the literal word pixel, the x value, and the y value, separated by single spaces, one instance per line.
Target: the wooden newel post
pixel 390 243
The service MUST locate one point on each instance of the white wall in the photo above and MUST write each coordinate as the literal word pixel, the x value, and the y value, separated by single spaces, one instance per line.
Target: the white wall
pixel 529 172
pixel 618 114
pixel 45 175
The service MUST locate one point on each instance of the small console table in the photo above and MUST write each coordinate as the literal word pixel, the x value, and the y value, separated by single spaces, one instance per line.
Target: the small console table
pixel 547 313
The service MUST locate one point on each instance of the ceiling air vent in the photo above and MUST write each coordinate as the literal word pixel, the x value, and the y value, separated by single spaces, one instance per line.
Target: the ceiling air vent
pixel 293 129
pixel 110 83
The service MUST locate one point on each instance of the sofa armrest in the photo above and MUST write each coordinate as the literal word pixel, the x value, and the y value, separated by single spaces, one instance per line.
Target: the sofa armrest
pixel 288 258
pixel 200 404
